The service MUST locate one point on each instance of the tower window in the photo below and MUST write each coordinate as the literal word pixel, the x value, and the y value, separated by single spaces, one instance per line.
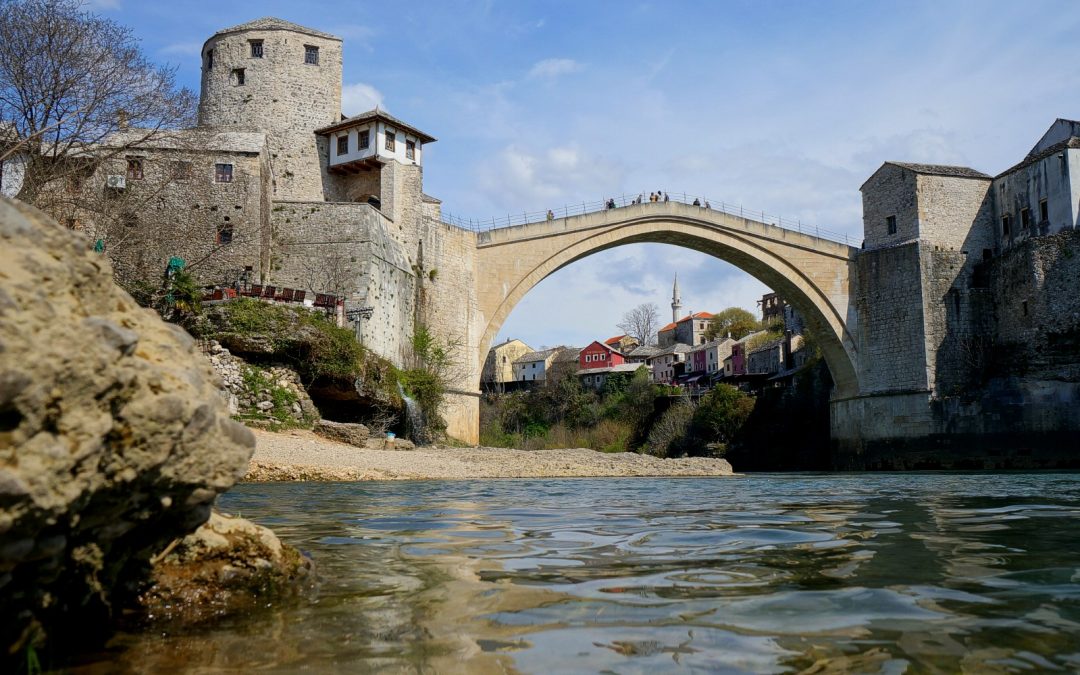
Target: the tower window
pixel 225 233
pixel 256 49
pixel 1044 211
pixel 311 55
pixel 410 150
pixel 343 145
pixel 135 168
pixel 223 173
pixel 238 76
pixel 890 223
pixel 1006 225
pixel 1025 217
pixel 390 141
pixel 209 59
pixel 365 139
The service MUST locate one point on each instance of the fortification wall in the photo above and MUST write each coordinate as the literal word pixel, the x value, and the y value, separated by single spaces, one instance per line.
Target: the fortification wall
pixel 1035 288
pixel 346 249
pixel 450 308
pixel 889 306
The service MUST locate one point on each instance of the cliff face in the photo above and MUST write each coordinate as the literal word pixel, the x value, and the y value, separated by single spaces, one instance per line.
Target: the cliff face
pixel 113 439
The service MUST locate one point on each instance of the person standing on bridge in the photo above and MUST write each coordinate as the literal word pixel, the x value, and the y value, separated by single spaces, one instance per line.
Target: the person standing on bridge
pixel 697 202
pixel 550 215
pixel 666 198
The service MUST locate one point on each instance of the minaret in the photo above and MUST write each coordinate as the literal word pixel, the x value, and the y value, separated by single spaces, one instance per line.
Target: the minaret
pixel 676 305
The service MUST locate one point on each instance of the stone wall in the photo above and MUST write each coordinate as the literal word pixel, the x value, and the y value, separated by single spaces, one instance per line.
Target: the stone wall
pixel 889 307
pixel 891 191
pixel 1035 288
pixel 179 208
pixel 346 249
pixel 281 95
pixel 956 213
pixel 450 309
pixel 260 395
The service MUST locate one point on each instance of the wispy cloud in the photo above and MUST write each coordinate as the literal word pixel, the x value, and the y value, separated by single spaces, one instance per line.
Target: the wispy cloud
pixel 103 5
pixel 360 97
pixel 522 178
pixel 549 69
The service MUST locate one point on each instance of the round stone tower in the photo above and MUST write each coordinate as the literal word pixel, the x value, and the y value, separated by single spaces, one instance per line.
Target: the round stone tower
pixel 282 79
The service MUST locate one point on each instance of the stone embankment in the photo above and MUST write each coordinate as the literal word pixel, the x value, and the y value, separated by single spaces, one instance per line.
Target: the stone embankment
pixel 263 396
pixel 302 455
pixel 113 438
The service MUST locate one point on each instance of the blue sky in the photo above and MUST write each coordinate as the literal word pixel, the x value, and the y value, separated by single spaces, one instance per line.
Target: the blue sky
pixel 781 106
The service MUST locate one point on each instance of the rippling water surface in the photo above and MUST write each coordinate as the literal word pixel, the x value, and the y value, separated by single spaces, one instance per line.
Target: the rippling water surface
pixel 881 573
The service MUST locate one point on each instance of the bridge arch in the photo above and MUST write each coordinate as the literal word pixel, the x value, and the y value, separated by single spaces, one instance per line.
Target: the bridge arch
pixel 811 273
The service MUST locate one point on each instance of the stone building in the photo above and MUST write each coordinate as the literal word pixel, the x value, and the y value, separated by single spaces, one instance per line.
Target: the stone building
pixel 533 366
pixel 499 365
pixel 689 330
pixel 1041 194
pixel 276 186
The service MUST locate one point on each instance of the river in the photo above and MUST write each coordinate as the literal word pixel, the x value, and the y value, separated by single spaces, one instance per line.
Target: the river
pixel 886 573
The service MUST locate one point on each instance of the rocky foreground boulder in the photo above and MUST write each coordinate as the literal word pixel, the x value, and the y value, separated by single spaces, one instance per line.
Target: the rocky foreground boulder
pixel 228 565
pixel 113 438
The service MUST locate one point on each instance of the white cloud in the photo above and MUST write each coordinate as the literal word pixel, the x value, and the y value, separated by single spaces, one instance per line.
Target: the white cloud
pixel 519 178
pixel 359 97
pixel 549 69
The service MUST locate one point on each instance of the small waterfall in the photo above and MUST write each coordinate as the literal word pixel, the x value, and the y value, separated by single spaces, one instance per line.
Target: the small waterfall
pixel 415 426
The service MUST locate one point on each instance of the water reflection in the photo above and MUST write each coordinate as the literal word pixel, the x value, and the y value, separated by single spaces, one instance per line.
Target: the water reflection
pixel 827 573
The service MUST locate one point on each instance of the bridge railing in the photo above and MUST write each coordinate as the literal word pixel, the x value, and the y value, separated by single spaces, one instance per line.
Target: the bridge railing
pixel 582 208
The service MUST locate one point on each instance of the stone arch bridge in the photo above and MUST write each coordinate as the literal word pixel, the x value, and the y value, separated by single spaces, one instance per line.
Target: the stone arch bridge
pixel 814 274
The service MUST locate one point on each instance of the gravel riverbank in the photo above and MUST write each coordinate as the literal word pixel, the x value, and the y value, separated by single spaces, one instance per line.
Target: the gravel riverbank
pixel 301 455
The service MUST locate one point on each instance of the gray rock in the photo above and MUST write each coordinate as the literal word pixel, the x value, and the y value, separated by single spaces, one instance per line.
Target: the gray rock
pixel 111 424
pixel 353 434
pixel 264 405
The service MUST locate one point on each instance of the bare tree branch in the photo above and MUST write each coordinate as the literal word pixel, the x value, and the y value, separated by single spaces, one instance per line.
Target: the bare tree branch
pixel 641 323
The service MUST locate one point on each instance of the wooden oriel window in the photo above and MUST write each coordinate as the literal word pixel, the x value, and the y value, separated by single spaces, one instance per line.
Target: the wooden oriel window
pixel 343 144
pixel 364 138
pixel 391 139
pixel 410 150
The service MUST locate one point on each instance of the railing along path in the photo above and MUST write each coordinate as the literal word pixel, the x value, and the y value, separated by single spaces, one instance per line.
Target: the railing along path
pixel 568 210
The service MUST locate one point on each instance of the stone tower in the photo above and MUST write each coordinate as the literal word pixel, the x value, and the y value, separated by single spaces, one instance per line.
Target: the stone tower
pixel 282 79
pixel 676 301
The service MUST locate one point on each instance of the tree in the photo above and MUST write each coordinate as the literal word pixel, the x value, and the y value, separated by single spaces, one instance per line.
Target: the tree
pixel 733 321
pixel 69 81
pixel 641 323
pixel 721 414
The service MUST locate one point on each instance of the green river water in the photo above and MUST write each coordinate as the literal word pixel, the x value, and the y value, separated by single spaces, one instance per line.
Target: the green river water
pixel 876 573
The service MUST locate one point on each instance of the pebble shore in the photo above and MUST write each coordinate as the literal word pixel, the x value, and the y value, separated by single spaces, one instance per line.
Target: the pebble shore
pixel 301 456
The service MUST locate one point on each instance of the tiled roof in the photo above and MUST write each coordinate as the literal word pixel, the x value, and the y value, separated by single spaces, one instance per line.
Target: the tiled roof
pixel 613 340
pixel 566 354
pixel 621 368
pixel 376 114
pixel 643 351
pixel 941 170
pixel 534 356
pixel 1070 143
pixel 273 23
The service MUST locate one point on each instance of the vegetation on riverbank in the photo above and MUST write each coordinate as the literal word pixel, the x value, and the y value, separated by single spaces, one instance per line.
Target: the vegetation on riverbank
pixel 776 429
pixel 630 414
